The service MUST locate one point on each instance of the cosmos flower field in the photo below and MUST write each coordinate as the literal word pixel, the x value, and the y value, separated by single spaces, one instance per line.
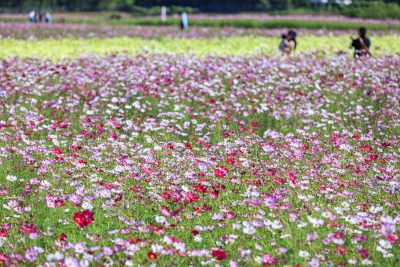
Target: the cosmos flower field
pixel 178 160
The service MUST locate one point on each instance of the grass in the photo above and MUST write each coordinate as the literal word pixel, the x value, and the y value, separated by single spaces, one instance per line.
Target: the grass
pixel 241 23
pixel 56 49
pixel 276 23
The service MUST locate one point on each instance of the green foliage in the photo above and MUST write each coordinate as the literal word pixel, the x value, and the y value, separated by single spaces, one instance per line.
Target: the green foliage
pixel 249 23
pixel 378 10
pixel 116 4
pixel 156 10
pixel 362 9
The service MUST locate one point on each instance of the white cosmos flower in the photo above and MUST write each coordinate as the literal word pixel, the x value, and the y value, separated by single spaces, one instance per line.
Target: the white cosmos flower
pixel 156 248
pixel 376 209
pixel 276 225
pixel 198 239
pixel 87 205
pixel 161 219
pixel 55 257
pixel 352 261
pixel 71 262
pixel 2 241
pixel 366 262
pixel 315 222
pixel 248 229
pixel 105 193
pixel 180 247
pixel 385 244
pixel 304 254
pixel 11 178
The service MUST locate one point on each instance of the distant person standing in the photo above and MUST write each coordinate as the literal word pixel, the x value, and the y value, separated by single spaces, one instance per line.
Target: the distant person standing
pixel 47 17
pixel 361 44
pixel 184 21
pixel 40 17
pixel 163 14
pixel 32 16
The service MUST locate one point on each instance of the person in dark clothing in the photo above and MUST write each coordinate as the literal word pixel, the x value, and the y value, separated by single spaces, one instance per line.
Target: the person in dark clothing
pixel 361 44
pixel 288 44
pixel 283 44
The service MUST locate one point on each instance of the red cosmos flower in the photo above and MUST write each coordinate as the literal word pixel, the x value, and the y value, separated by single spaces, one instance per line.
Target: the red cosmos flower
pixel 134 240
pixel 151 255
pixel 170 146
pixel 3 258
pixel 29 228
pixel 197 209
pixel 219 254
pixel 269 260
pixel 75 148
pixel 366 148
pixel 393 239
pixel 219 186
pixel 207 207
pixel 57 150
pixel 59 202
pixel 83 218
pixel 230 215
pixel 342 250
pixel 194 232
pixel 188 146
pixel 338 235
pixel 191 197
pixel 3 233
pixel 363 253
pixel 231 160
pixel 200 188
pixel 63 237
pixel 221 171
pixel 214 194
pixel 165 211
pixel 372 157
pixel 335 135
pixel 165 195
pixel 114 136
pixel 82 162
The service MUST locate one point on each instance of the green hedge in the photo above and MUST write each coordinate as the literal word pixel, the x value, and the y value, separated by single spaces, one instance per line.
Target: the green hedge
pixel 377 10
pixel 156 10
pixel 242 23
pixel 248 23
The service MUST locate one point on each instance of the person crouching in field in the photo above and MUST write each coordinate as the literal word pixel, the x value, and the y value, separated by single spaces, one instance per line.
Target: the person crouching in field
pixel 361 44
pixel 288 44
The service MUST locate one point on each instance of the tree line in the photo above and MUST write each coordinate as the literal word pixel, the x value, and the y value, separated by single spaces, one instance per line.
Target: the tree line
pixel 202 5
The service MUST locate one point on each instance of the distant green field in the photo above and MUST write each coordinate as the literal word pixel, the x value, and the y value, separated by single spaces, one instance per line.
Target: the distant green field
pixel 251 23
pixel 55 49
pixel 242 23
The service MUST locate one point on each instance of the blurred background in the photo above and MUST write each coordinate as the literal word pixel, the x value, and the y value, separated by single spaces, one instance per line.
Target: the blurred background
pixel 378 9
